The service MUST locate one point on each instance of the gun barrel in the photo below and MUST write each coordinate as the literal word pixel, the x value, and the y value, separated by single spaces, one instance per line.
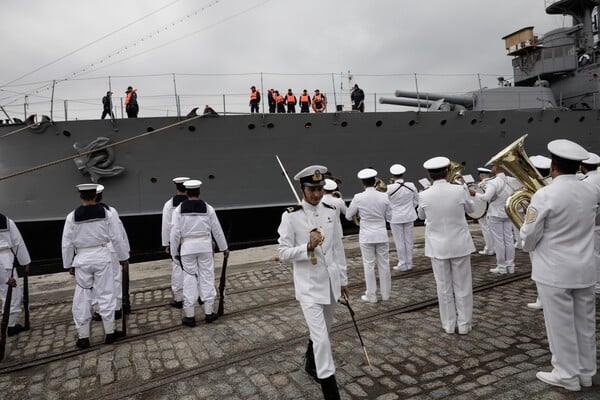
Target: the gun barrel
pixel 405 102
pixel 464 99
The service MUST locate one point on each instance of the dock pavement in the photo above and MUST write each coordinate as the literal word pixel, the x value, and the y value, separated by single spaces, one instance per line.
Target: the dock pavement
pixel 255 350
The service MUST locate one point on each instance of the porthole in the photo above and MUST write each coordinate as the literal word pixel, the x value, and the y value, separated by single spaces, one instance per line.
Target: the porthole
pixel 67 133
pixel 473 121
pixel 308 125
pixel 153 180
pixel 443 122
pixel 191 128
pixel 344 124
pixel 556 120
pixel 149 129
pixel 411 122
pixel 251 126
pixel 502 121
pixel 270 125
pixel 378 123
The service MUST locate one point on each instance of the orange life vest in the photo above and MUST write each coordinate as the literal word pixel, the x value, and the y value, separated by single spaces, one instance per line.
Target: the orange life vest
pixel 254 95
pixel 279 98
pixel 291 98
pixel 128 97
pixel 304 98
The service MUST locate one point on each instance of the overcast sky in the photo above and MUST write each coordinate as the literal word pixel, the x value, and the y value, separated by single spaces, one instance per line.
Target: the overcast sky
pixel 296 44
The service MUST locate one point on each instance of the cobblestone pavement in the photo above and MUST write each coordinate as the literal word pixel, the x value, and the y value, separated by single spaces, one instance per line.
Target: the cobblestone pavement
pixel 255 351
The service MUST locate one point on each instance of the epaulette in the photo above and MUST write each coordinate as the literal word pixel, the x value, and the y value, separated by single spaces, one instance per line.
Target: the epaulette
pixel 294 208
pixel 328 206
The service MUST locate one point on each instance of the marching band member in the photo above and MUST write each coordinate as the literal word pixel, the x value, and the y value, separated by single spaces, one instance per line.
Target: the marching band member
pixel 558 231
pixel 311 239
pixel 404 198
pixel 488 246
pixel 374 210
pixel 449 245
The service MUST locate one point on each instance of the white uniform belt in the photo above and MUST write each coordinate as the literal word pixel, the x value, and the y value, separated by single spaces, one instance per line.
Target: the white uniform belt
pixel 188 238
pixel 89 248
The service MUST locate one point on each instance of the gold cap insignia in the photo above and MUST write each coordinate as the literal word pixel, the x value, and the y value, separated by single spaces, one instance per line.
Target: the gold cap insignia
pixel 317 176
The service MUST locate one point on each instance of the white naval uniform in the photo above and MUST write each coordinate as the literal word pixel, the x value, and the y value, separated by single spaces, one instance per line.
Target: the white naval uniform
pixel 559 234
pixel 449 244
pixel 88 233
pixel 167 223
pixel 11 243
pixel 497 191
pixel 593 177
pixel 374 210
pixel 339 204
pixel 195 224
pixel 404 199
pixel 488 241
pixel 317 287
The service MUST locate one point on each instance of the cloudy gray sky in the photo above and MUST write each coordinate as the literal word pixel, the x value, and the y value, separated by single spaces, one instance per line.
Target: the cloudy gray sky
pixel 221 47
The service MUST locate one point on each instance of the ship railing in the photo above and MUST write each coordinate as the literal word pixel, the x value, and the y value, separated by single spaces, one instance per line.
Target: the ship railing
pixel 170 95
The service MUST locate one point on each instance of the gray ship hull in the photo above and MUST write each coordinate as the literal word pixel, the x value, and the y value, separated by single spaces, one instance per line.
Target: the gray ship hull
pixel 234 156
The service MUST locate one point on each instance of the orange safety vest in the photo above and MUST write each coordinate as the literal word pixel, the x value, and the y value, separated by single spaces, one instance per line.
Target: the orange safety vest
pixel 254 95
pixel 318 98
pixel 304 98
pixel 128 97
pixel 291 98
pixel 279 98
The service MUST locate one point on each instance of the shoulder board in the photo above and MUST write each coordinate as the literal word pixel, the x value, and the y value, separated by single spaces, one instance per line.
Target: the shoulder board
pixel 3 223
pixel 89 213
pixel 328 205
pixel 294 208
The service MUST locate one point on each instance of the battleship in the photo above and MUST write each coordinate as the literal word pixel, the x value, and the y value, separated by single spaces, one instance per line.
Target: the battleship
pixel 554 93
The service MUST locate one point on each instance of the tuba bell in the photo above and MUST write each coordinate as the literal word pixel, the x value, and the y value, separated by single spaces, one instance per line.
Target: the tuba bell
pixel 454 173
pixel 514 159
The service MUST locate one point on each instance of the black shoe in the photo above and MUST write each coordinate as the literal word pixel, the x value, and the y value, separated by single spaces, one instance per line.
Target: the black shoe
pixel 96 317
pixel 176 304
pixel 112 337
pixel 209 318
pixel 83 343
pixel 188 321
pixel 330 389
pixel 14 330
pixel 118 314
pixel 309 362
pixel 200 301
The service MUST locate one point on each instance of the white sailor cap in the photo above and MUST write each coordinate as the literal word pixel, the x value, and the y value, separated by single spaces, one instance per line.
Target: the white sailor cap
pixel 192 184
pixel 593 159
pixel 540 162
pixel 484 170
pixel 180 179
pixel 99 189
pixel 330 184
pixel 312 175
pixel 366 173
pixel 397 169
pixel 86 186
pixel 436 163
pixel 568 150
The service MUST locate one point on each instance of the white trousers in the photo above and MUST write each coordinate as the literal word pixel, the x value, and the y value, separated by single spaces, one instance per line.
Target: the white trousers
pixel 501 232
pixel 377 254
pixel 118 286
pixel 177 281
pixel 100 279
pixel 16 295
pixel 199 275
pixel 455 291
pixel 319 318
pixel 403 239
pixel 485 232
pixel 570 318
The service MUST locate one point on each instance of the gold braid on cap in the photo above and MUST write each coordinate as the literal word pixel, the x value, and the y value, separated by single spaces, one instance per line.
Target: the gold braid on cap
pixel 317 176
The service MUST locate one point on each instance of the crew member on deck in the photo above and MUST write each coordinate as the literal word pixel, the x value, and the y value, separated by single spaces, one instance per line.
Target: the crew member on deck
pixel 319 102
pixel 312 241
pixel 404 199
pixel 290 100
pixel 194 225
pixel 11 245
pixel 280 102
pixel 271 100
pixel 449 245
pixel 131 104
pixel 254 99
pixel 558 232
pixel 358 99
pixel 167 224
pixel 304 102
pixel 88 231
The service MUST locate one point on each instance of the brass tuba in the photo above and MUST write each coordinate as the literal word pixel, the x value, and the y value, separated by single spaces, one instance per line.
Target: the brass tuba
pixel 514 159
pixel 454 173
pixel 380 185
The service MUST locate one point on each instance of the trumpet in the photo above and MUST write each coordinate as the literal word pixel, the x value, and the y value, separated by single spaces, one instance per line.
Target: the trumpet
pixel 514 159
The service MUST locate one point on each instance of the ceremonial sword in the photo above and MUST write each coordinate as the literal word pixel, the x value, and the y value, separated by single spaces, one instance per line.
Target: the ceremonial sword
pixel 346 302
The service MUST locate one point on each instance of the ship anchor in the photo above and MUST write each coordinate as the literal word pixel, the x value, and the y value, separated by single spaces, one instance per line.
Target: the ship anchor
pixel 97 164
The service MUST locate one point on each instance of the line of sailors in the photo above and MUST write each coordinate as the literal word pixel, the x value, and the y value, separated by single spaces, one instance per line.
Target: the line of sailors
pixel 286 103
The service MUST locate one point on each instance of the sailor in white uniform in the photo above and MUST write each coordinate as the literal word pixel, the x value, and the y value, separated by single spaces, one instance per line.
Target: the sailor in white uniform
pixel 373 209
pixel 310 238
pixel 488 243
pixel 88 233
pixel 195 224
pixel 449 244
pixel 167 215
pixel 497 191
pixel 589 167
pixel 11 245
pixel 559 234
pixel 329 189
pixel 116 265
pixel 404 198
pixel 542 164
